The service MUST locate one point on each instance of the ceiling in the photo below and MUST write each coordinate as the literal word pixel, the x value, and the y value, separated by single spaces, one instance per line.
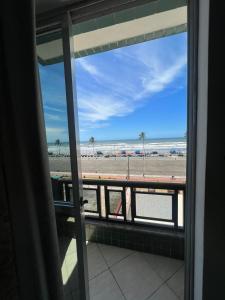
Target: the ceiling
pixel 43 6
pixel 122 28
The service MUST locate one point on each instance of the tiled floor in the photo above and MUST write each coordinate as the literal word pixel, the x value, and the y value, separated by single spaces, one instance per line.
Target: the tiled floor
pixel 117 273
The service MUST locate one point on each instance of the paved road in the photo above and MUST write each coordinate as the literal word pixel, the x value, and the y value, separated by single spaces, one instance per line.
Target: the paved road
pixel 167 166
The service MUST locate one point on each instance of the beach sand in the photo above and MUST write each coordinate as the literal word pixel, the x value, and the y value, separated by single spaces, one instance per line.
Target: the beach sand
pixel 154 166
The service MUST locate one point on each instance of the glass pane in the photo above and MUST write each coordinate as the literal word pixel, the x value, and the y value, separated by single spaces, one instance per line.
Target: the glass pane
pixel 91 196
pixel 52 78
pixel 54 104
pixel 154 206
pixel 115 202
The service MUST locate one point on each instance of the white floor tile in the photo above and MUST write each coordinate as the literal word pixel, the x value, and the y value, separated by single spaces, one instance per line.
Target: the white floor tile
pixel 164 293
pixel 139 275
pixel 176 283
pixel 165 267
pixel 96 262
pixel 135 277
pixel 104 287
pixel 113 254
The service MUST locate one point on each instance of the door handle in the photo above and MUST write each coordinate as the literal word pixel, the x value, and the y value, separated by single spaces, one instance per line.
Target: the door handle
pixel 83 202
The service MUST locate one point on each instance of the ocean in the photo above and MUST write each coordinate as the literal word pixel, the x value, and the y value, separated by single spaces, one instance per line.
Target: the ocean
pixel 161 145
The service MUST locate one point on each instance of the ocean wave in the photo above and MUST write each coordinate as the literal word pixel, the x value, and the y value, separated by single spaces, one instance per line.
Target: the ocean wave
pixel 164 146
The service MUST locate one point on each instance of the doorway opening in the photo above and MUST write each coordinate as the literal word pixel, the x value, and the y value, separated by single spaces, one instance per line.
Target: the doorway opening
pixel 129 70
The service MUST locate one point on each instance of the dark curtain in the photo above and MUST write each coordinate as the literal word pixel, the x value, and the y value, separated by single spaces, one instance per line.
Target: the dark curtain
pixel 30 256
pixel 214 222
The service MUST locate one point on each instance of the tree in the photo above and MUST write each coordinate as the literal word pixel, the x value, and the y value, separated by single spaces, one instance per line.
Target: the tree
pixel 92 142
pixel 142 137
pixel 58 143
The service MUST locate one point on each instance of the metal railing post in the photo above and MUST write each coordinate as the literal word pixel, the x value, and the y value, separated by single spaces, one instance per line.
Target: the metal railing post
pixel 175 209
pixel 133 204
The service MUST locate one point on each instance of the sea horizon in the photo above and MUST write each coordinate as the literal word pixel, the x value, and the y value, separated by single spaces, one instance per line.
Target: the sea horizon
pixel 161 145
pixel 124 140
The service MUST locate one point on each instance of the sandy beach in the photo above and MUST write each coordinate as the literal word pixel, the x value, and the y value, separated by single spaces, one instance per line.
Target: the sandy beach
pixel 154 166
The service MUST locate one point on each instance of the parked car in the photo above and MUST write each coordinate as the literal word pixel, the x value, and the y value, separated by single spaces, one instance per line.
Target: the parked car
pixel 173 152
pixel 123 153
pixel 99 153
pixel 154 153
pixel 138 153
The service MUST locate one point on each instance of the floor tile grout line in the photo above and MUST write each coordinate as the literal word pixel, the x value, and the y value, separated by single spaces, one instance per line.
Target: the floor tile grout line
pixel 172 290
pixel 133 252
pixel 107 267
pixel 113 275
pixel 121 260
pixel 117 283
pixel 152 268
pixel 164 280
pixel 174 273
pixel 148 297
pixel 102 255
pixel 90 279
pixel 153 293
pixel 164 283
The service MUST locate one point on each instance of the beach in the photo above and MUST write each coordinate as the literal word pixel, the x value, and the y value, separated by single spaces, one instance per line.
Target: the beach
pixel 150 166
pixel 124 158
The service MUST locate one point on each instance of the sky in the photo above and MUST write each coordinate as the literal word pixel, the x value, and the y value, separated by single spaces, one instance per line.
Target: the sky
pixel 122 92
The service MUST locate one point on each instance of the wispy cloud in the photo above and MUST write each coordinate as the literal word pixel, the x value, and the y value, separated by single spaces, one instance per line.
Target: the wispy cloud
pixel 53 108
pixel 54 133
pixel 111 85
pixel 55 130
pixel 157 79
pixel 102 107
pixel 85 126
pixel 126 79
pixel 88 67
pixel 53 117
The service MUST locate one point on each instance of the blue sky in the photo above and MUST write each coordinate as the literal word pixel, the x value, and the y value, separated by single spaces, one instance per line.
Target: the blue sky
pixel 122 92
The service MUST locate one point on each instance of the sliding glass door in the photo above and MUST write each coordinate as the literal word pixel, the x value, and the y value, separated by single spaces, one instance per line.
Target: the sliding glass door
pixel 56 63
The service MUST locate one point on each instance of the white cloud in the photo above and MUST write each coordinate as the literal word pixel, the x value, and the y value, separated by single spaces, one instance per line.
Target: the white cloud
pixel 52 108
pixel 88 67
pixel 102 107
pixel 158 78
pixel 53 117
pixel 85 126
pixel 128 79
pixel 55 130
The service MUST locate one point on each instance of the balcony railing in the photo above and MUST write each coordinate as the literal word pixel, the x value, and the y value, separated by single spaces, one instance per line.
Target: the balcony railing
pixel 132 202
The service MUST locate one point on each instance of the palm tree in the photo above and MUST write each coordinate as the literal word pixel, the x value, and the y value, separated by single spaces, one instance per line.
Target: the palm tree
pixel 92 142
pixel 142 137
pixel 58 143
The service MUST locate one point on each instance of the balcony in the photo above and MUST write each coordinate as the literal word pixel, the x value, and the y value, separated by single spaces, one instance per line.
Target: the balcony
pixel 118 273
pixel 135 238
pixel 159 204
